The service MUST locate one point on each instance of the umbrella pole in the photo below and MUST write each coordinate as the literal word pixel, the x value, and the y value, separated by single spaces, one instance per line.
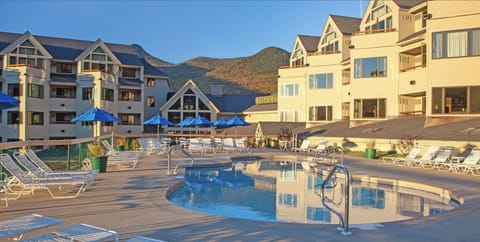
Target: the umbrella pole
pixel 158 131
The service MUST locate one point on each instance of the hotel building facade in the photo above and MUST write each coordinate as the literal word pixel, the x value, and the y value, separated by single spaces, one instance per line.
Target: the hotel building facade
pixel 403 57
pixel 57 79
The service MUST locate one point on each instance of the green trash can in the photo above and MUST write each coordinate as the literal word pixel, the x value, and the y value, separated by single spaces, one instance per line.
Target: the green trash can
pixel 120 147
pixel 370 153
pixel 99 163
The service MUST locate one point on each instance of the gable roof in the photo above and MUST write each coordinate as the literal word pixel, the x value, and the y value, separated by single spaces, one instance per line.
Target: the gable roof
pixel 310 43
pixel 408 3
pixel 232 103
pixel 347 25
pixel 69 49
pixel 190 84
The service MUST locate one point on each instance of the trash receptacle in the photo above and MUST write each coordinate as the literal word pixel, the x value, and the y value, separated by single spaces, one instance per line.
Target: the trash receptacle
pixel 370 153
pixel 99 163
pixel 120 147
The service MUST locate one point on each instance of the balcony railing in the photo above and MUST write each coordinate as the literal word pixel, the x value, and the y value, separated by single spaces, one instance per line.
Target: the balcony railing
pixel 374 31
pixel 324 52
pixel 26 65
pixel 413 68
pixel 293 66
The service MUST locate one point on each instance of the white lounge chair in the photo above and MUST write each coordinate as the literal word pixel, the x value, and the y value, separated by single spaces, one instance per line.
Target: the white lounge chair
pixel 33 157
pixel 3 186
pixel 471 163
pixel 412 154
pixel 241 145
pixel 39 174
pixel 79 232
pixel 16 227
pixel 441 159
pixel 321 147
pixel 195 145
pixel 20 182
pixel 427 156
pixel 124 160
pixel 305 146
pixel 229 145
pixel 207 146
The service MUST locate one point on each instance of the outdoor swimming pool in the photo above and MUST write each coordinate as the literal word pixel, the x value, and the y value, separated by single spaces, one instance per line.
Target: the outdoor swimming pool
pixel 283 192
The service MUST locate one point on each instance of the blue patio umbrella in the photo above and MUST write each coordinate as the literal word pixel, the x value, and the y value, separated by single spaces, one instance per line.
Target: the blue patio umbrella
pixel 7 102
pixel 236 121
pixel 186 122
pixel 200 121
pixel 220 123
pixel 95 115
pixel 158 120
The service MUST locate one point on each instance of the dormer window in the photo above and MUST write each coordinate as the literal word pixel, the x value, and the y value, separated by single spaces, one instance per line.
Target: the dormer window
pixel 26 55
pixel 380 18
pixel 98 60
pixel 128 72
pixel 329 42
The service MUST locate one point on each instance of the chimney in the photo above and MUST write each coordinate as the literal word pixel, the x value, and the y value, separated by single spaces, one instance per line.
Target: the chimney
pixel 217 90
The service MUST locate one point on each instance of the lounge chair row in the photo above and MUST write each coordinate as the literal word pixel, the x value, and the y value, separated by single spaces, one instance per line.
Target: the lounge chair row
pixel 16 228
pixel 205 145
pixel 154 145
pixel 439 158
pixel 30 175
pixel 321 147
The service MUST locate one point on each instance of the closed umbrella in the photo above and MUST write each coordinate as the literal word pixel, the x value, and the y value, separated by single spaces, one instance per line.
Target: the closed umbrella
pixel 7 102
pixel 236 121
pixel 158 120
pixel 95 115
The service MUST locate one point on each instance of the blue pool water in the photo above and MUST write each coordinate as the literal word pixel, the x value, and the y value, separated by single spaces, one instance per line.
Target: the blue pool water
pixel 269 191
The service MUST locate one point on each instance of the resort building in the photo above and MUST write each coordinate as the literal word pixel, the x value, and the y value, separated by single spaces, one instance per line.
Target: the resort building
pixel 190 102
pixel 404 57
pixel 56 79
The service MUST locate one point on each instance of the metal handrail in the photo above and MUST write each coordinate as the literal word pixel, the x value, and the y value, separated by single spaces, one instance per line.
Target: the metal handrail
pixel 169 157
pixel 344 220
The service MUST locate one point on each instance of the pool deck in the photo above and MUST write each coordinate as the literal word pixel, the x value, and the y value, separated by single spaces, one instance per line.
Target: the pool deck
pixel 133 203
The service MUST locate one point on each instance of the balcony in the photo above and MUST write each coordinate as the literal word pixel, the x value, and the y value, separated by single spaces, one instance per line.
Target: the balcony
pixel 374 31
pixel 324 52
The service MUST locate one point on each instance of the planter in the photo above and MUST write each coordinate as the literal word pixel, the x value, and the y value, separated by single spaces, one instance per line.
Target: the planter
pixel 370 153
pixel 99 163
pixel 120 147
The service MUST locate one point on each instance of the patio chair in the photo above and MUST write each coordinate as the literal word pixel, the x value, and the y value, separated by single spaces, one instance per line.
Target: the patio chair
pixel 124 159
pixel 20 182
pixel 16 227
pixel 207 146
pixel 112 151
pixel 412 154
pixel 305 146
pixel 471 163
pixel 33 157
pixel 195 145
pixel 229 145
pixel 241 145
pixel 3 187
pixel 321 147
pixel 147 146
pixel 79 232
pixel 39 174
pixel 441 159
pixel 427 156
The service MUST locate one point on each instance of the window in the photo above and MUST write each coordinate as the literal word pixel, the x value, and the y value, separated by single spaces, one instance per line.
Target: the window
pixel 98 60
pixel 129 95
pixel 13 117
pixel 35 90
pixel 320 113
pixel 64 68
pixel 287 200
pixel 129 118
pixel 128 72
pixel 368 197
pixel 150 101
pixel 288 116
pixel 456 44
pixel 14 90
pixel 62 117
pixel 370 108
pixel 150 82
pixel 289 90
pixel 34 118
pixel 63 92
pixel 320 81
pixel 26 55
pixel 107 94
pixel 461 100
pixel 318 214
pixel 87 93
pixel 370 67
pixel 189 102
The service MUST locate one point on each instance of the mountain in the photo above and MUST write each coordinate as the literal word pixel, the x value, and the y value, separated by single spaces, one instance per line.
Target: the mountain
pixel 242 75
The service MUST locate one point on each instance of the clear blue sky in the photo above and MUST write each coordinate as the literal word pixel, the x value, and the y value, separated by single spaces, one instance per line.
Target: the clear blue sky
pixel 176 31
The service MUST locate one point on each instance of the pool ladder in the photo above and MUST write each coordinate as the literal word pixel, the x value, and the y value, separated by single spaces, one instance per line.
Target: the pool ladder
pixel 169 158
pixel 344 223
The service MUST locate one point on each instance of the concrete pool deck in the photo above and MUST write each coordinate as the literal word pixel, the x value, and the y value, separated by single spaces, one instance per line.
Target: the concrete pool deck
pixel 133 203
